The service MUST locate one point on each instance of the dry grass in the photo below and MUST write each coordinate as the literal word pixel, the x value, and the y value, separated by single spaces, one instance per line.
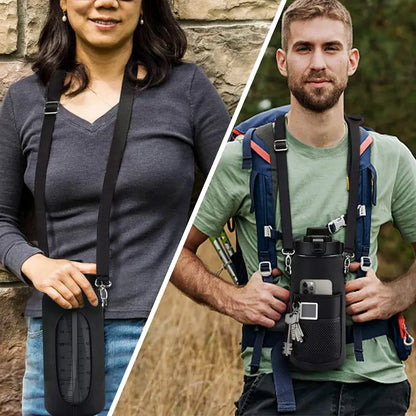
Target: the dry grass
pixel 189 364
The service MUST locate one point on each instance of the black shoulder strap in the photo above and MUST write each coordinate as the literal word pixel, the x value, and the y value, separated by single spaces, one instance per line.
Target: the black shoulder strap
pixel 113 166
pixel 353 123
pixel 53 94
pixel 280 149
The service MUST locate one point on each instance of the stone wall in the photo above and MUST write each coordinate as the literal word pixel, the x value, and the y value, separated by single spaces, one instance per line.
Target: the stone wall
pixel 224 39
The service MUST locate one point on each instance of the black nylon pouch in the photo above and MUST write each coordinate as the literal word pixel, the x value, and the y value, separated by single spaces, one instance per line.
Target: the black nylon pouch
pixel 73 350
pixel 319 259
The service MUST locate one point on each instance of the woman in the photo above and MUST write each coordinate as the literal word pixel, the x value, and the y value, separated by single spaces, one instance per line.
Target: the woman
pixel 177 118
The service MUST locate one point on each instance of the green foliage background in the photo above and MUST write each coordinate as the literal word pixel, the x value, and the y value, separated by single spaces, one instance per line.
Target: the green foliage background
pixel 383 90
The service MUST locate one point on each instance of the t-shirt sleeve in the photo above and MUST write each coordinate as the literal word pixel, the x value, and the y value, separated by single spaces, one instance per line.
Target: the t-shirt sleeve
pixel 14 247
pixel 210 120
pixel 404 195
pixel 226 192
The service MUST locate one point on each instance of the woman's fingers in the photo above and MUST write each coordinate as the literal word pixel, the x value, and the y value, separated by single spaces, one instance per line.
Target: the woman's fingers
pixel 57 297
pixel 75 292
pixel 83 283
pixel 62 280
pixel 86 268
pixel 69 294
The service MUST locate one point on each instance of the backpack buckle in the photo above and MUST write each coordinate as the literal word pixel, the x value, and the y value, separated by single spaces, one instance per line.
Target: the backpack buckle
pixel 265 268
pixel 362 211
pixel 336 224
pixel 365 263
pixel 51 107
pixel 280 145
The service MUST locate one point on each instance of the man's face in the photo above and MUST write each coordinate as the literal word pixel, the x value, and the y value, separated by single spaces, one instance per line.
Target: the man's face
pixel 317 62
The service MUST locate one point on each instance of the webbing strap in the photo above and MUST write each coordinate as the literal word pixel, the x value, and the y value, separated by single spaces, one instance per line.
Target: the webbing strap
pixel 113 165
pixel 283 386
pixel 280 147
pixel 257 347
pixel 118 144
pixel 354 179
pixel 53 94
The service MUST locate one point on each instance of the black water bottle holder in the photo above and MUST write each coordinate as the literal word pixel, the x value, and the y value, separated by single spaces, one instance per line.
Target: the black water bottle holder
pixel 323 345
pixel 74 372
pixel 318 293
pixel 318 258
pixel 73 339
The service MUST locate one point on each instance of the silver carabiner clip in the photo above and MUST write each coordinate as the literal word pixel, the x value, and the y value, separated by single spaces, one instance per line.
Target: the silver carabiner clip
pixel 347 262
pixel 102 291
pixel 288 260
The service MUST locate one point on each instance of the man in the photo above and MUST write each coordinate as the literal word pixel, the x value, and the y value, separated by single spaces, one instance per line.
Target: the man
pixel 317 58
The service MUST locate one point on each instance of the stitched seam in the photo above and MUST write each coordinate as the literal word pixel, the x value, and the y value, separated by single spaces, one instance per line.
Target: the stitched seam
pixel 250 392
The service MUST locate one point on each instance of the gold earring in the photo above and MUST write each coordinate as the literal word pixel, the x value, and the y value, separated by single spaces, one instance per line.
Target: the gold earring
pixel 64 17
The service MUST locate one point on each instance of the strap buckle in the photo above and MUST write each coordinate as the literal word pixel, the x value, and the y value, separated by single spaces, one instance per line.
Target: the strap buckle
pixel 280 145
pixel 336 224
pixel 362 211
pixel 51 107
pixel 365 263
pixel 268 231
pixel 265 268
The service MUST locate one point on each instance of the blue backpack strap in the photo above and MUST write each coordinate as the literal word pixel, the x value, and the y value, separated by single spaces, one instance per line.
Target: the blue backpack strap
pixel 258 120
pixel 263 204
pixel 242 129
pixel 366 198
pixel 395 327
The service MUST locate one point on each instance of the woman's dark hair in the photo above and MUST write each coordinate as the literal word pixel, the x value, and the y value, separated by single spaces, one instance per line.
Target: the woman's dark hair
pixel 158 44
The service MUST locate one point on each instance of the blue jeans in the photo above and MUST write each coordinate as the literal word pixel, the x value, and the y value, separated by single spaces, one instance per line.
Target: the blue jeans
pixel 121 336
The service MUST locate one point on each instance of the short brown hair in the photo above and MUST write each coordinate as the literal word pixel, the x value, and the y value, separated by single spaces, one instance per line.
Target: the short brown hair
pixel 309 9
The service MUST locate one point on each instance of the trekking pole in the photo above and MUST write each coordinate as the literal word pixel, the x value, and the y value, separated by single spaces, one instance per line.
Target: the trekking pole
pixel 225 255
pixel 227 244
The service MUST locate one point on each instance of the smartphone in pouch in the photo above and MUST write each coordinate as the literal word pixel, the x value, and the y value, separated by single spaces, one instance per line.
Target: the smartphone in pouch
pixel 315 287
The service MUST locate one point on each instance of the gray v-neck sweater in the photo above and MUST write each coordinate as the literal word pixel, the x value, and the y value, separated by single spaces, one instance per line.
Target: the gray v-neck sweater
pixel 173 125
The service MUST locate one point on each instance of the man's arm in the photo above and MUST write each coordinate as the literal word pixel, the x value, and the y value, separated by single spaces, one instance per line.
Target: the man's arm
pixel 256 303
pixel 369 298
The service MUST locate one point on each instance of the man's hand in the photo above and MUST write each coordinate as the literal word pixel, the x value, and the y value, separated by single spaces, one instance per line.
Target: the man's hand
pixel 62 280
pixel 256 303
pixel 369 298
pixel 259 303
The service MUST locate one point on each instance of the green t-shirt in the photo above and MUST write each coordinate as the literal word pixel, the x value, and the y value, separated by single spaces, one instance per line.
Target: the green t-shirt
pixel 318 194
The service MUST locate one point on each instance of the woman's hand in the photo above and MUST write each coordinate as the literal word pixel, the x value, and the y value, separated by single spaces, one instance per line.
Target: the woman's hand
pixel 62 280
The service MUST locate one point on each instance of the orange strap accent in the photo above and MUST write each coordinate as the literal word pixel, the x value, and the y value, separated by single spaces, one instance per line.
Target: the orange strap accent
pixel 365 144
pixel 363 147
pixel 261 152
pixel 402 326
pixel 236 132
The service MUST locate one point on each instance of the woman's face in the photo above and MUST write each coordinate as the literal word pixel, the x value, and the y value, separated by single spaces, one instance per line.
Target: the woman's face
pixel 103 24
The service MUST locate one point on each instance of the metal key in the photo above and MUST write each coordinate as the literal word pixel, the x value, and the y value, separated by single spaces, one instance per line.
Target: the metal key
pixel 295 330
pixel 290 319
pixel 288 346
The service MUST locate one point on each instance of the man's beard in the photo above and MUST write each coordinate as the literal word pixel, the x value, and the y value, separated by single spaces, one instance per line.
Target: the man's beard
pixel 319 99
